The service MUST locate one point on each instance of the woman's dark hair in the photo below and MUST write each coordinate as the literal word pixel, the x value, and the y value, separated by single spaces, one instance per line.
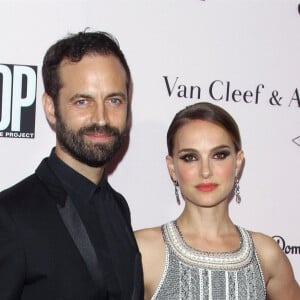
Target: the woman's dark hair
pixel 207 112
pixel 73 48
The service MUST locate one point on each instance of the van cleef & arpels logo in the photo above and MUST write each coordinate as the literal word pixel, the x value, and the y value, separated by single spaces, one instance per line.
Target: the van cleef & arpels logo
pixel 224 90
pixel 287 249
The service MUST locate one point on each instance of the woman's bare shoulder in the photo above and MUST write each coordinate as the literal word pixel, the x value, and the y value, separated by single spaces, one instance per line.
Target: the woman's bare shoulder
pixel 276 267
pixel 266 246
pixel 149 237
pixel 146 233
pixel 267 250
pixel 152 247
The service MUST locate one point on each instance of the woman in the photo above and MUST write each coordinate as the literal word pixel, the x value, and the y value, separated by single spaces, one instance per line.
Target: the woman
pixel 203 254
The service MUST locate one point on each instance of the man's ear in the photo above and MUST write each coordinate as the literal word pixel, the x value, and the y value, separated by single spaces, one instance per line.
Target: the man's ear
pixel 239 162
pixel 170 165
pixel 49 109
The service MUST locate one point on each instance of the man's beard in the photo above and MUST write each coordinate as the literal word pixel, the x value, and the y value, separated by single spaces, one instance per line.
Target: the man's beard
pixel 92 154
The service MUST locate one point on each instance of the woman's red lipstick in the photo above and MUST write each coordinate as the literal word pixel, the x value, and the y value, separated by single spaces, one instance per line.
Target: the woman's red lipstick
pixel 206 187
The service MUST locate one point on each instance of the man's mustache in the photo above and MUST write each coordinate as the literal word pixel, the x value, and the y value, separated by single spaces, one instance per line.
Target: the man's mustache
pixel 95 128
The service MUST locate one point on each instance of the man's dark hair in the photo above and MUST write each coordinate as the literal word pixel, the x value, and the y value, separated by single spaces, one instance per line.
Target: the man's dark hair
pixel 73 48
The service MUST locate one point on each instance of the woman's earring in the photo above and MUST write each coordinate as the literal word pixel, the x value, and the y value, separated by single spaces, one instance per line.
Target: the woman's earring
pixel 238 198
pixel 176 192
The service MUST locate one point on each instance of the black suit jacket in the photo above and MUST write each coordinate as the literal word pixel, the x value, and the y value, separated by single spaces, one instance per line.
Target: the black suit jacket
pixel 39 258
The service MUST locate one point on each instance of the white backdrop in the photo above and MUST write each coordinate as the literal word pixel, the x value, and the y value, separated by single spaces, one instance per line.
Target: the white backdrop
pixel 243 55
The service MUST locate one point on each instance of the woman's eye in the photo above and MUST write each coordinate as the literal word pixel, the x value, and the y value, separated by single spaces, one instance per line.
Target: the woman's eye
pixel 221 154
pixel 188 157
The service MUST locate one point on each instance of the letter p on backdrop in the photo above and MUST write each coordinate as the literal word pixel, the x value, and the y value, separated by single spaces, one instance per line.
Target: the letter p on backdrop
pixel 17 100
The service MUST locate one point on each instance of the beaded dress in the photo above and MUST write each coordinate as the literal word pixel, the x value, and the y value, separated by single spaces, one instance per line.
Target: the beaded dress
pixel 192 274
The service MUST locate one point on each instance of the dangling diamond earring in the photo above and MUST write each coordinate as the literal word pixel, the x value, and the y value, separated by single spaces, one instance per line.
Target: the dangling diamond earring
pixel 176 192
pixel 238 198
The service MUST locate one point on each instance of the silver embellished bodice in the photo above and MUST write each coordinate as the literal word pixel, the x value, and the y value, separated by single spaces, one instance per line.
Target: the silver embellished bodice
pixel 192 274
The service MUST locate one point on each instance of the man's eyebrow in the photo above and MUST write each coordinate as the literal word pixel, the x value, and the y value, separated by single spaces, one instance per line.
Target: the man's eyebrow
pixel 80 95
pixel 117 94
pixel 88 96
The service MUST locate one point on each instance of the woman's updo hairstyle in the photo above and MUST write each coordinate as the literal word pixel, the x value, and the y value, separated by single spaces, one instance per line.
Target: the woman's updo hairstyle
pixel 204 111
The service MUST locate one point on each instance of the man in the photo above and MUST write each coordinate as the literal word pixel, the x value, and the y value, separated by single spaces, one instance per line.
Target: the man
pixel 64 232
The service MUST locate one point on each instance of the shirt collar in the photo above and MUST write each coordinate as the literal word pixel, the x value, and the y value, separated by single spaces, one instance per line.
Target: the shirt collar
pixel 73 182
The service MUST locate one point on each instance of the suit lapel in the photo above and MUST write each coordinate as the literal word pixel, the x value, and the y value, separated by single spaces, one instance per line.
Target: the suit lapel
pixel 81 239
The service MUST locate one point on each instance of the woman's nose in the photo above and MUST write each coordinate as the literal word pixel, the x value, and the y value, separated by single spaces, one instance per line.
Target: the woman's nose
pixel 205 169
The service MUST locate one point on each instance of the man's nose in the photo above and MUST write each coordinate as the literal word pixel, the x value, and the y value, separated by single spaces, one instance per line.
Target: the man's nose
pixel 100 114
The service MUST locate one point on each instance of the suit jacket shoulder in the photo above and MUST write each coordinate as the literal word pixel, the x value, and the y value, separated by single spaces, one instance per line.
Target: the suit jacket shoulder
pixel 37 252
pixel 42 183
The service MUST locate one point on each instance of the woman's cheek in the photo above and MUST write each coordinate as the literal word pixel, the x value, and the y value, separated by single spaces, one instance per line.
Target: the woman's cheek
pixel 186 173
pixel 225 170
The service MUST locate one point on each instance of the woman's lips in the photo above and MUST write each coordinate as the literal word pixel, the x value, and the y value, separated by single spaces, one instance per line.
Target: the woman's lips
pixel 206 187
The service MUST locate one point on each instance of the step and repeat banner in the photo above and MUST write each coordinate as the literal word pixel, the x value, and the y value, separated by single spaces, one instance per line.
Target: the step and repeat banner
pixel 242 55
